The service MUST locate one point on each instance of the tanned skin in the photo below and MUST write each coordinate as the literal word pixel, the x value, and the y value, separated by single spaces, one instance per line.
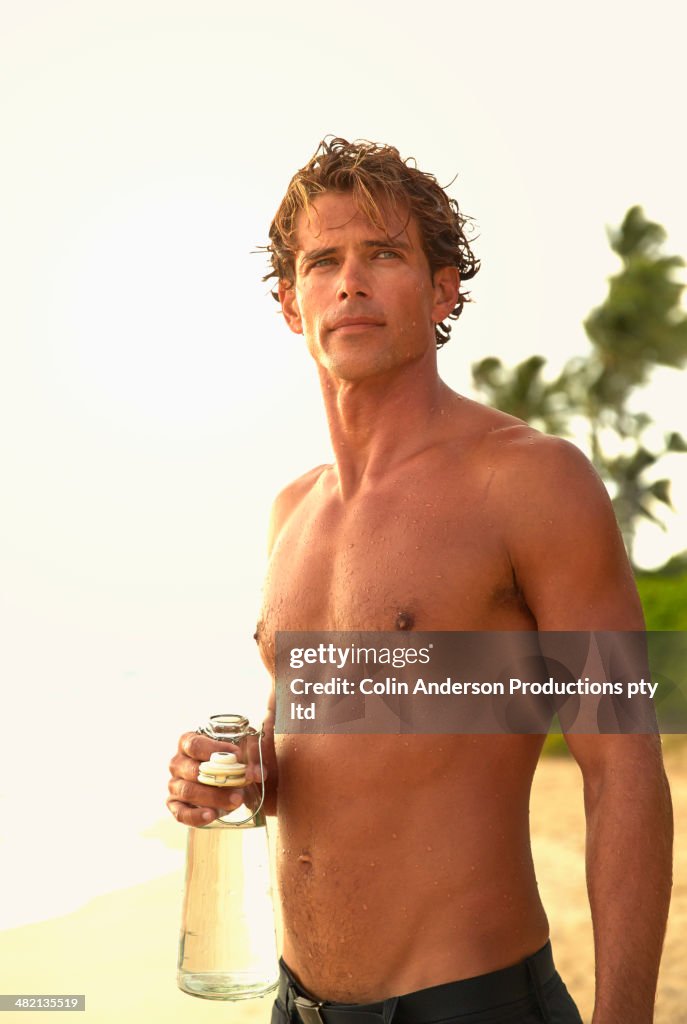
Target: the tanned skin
pixel 404 861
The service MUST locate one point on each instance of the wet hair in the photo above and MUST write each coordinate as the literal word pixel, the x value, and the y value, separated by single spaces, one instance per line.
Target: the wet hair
pixel 375 174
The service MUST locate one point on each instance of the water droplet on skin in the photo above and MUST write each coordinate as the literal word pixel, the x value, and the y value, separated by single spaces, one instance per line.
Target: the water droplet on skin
pixel 364 906
pixel 372 864
pixel 394 836
pixel 429 848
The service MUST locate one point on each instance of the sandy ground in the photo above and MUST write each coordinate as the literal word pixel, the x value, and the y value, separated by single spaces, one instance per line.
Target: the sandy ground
pixel 557 823
pixel 120 949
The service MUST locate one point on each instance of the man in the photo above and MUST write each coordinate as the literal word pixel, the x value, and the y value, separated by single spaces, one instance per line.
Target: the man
pixel 405 872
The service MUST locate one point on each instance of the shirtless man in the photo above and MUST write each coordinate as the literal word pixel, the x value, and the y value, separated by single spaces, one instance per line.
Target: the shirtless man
pixel 405 863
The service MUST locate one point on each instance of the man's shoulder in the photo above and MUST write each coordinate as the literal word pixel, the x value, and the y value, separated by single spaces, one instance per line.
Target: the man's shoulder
pixel 298 488
pixel 515 451
pixel 534 478
pixel 543 466
pixel 524 457
pixel 557 525
pixel 290 496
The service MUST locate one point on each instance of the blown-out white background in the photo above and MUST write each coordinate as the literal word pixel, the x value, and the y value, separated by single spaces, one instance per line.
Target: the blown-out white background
pixel 151 401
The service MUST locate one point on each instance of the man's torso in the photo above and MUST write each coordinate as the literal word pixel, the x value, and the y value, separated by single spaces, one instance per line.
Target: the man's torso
pixel 404 860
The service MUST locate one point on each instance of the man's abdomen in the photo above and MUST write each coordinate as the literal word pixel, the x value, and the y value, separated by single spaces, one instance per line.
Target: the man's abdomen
pixel 404 861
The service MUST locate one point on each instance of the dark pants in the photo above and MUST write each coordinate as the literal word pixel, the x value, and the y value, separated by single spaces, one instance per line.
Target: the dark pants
pixel 530 992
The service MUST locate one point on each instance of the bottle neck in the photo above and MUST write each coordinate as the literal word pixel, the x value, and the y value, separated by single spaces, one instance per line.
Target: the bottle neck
pixel 230 728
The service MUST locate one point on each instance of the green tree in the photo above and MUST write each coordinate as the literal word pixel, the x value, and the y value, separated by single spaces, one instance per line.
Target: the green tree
pixel 639 325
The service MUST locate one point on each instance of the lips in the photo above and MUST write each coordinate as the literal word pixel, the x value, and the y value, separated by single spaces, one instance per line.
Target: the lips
pixel 353 322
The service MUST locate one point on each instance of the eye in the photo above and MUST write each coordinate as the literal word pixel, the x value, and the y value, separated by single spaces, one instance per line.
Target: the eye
pixel 386 253
pixel 324 261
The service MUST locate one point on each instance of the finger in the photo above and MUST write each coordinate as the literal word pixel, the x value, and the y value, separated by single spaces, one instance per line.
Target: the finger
pixel 253 773
pixel 182 767
pixel 199 795
pixel 188 815
pixel 199 747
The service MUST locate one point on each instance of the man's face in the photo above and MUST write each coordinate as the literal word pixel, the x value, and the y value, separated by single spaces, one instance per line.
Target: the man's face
pixel 363 297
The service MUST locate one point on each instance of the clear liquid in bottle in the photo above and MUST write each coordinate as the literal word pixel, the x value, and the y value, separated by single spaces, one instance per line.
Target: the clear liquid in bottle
pixel 227 945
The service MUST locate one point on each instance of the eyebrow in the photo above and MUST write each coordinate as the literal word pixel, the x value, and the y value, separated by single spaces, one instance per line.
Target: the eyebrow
pixel 370 243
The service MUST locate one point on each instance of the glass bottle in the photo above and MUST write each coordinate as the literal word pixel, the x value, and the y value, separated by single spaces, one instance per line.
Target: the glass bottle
pixel 227 944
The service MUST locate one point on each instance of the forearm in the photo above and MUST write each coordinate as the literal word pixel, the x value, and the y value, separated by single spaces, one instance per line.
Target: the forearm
pixel 629 858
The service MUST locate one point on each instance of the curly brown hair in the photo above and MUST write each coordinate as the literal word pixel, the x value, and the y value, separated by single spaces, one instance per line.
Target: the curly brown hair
pixel 373 172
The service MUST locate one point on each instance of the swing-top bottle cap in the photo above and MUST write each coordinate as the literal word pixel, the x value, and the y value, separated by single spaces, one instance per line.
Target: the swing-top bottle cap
pixel 223 769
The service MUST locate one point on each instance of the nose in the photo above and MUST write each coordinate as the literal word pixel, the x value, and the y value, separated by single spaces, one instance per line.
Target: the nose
pixel 353 280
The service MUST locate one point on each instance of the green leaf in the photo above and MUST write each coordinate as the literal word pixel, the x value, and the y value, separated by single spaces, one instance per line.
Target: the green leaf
pixel 676 443
pixel 661 491
pixel 638 463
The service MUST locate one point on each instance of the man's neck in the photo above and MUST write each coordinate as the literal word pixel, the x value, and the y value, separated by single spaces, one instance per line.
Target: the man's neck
pixel 377 423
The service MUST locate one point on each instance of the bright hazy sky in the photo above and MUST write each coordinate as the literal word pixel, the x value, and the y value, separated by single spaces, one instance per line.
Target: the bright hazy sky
pixel 151 400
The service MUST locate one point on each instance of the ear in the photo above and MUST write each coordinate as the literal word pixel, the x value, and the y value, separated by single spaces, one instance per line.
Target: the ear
pixel 289 306
pixel 446 283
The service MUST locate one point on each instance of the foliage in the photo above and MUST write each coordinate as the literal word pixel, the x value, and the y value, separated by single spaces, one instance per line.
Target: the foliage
pixel 639 325
pixel 664 599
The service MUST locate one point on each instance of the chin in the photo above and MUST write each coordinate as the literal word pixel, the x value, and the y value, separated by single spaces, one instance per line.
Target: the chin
pixel 358 366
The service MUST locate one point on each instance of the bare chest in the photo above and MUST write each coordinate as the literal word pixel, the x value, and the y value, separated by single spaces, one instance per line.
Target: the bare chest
pixel 405 558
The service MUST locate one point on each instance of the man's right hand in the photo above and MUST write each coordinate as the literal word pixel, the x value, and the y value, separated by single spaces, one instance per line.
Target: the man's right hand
pixel 192 802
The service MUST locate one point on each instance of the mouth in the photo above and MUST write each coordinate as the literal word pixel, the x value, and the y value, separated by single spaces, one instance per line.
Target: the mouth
pixel 355 325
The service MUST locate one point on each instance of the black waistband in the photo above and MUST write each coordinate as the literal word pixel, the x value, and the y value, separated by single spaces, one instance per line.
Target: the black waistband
pixel 467 996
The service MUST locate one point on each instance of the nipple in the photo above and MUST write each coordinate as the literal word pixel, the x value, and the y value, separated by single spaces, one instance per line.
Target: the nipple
pixel 405 620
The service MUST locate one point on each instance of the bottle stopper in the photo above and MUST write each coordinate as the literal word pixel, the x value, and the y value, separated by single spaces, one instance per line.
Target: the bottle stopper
pixel 223 769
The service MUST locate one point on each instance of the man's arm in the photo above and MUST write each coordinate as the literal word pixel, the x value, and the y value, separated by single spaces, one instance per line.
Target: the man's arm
pixel 629 858
pixel 569 560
